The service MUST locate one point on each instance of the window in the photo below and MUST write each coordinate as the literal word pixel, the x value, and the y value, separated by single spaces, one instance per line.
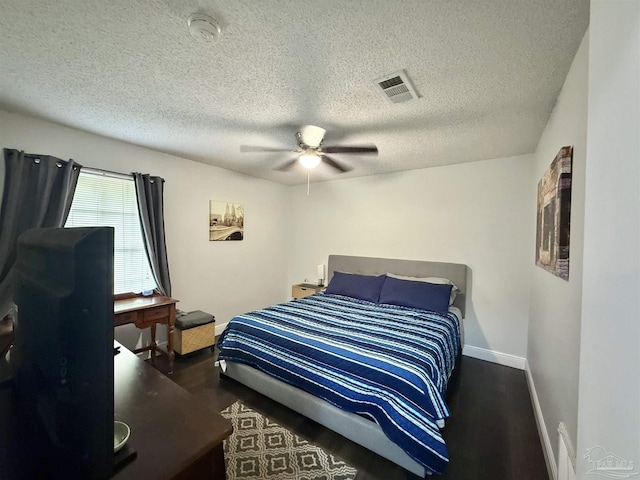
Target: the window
pixel 105 200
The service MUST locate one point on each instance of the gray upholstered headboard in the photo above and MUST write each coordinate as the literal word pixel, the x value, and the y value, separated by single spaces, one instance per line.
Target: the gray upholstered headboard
pixel 455 272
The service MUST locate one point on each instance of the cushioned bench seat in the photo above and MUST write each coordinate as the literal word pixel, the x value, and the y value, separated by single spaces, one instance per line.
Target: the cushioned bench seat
pixel 194 331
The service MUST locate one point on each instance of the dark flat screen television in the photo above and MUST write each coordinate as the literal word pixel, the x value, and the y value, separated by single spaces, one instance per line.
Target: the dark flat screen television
pixel 62 359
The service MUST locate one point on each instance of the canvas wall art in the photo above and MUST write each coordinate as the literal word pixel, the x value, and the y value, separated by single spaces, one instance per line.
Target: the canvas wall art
pixel 554 215
pixel 226 220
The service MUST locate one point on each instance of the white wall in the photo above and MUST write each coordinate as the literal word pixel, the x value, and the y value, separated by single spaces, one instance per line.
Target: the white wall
pixel 609 404
pixel 223 278
pixel 475 213
pixel 553 353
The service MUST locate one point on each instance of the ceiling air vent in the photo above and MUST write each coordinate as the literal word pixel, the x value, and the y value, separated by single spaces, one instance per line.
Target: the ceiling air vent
pixel 396 87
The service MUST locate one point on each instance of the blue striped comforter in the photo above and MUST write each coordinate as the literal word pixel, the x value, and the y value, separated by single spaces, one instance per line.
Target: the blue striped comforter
pixel 386 362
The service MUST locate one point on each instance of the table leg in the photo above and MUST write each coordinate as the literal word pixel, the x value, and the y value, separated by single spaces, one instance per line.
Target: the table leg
pixel 154 345
pixel 210 465
pixel 170 352
pixel 219 470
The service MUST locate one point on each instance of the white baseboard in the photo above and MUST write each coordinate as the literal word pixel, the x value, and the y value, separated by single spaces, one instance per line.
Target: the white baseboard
pixel 146 355
pixel 500 358
pixel 549 457
pixel 566 455
pixel 220 328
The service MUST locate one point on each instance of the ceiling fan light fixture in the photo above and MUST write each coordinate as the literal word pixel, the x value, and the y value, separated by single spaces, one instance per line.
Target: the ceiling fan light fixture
pixel 309 160
pixel 311 152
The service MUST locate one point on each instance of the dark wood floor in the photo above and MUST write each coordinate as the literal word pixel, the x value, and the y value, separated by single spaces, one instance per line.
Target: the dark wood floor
pixel 491 434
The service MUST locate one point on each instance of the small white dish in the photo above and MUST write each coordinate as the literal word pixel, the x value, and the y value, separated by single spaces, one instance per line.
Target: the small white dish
pixel 121 432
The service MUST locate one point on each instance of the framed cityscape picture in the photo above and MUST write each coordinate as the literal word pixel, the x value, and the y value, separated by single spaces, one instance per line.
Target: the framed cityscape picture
pixel 226 220
pixel 554 215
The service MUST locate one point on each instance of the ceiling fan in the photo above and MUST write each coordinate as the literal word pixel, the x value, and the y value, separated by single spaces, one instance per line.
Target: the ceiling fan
pixel 310 151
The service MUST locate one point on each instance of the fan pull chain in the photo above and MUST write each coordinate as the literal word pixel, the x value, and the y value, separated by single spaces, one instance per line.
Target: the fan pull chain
pixel 308 175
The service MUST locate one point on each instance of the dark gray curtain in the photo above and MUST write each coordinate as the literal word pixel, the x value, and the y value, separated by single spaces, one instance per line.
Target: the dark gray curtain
pixel 38 191
pixel 149 192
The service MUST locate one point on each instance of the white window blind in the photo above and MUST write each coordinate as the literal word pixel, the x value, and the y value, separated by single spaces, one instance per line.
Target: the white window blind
pixel 110 201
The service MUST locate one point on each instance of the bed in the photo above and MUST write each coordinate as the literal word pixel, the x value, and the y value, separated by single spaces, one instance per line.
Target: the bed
pixel 306 355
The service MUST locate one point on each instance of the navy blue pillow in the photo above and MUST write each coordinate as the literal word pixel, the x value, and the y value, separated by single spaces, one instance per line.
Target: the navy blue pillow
pixel 423 295
pixel 364 287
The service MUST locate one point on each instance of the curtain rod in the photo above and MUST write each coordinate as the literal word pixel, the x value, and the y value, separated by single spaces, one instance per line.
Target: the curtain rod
pixel 106 173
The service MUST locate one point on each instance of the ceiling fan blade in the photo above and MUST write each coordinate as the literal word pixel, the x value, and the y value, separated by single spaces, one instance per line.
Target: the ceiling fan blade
pixel 311 135
pixel 338 166
pixel 254 149
pixel 363 150
pixel 287 166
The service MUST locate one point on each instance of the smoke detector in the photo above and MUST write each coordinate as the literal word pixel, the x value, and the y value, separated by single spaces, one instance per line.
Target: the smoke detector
pixel 204 28
pixel 396 87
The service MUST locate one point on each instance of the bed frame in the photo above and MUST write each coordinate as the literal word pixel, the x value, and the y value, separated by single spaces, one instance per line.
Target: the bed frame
pixel 354 427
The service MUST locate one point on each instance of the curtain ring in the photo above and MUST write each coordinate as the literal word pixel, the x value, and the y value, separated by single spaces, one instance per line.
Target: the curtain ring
pixel 36 160
pixel 59 164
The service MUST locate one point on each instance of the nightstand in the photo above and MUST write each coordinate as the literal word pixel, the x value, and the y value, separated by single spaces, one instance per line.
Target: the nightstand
pixel 302 290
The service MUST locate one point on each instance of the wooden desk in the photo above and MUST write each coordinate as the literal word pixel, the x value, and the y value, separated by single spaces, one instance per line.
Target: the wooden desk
pixel 175 434
pixel 147 312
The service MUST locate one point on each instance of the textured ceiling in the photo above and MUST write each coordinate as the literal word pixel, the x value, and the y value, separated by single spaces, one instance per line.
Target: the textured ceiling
pixel 488 73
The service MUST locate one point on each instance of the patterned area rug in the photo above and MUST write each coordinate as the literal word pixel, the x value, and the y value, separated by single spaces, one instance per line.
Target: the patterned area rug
pixel 259 448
